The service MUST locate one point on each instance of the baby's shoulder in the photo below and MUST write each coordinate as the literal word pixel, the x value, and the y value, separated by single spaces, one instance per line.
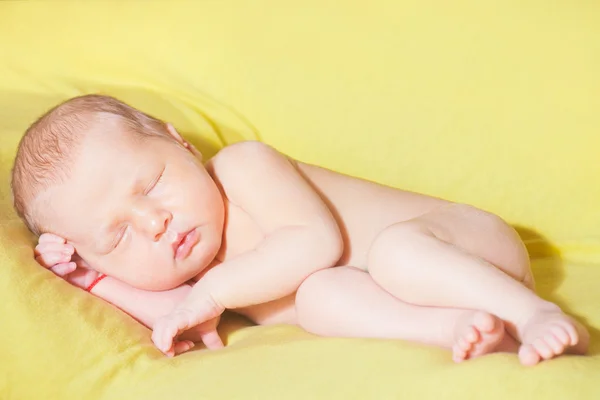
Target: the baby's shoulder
pixel 245 165
pixel 244 157
pixel 247 148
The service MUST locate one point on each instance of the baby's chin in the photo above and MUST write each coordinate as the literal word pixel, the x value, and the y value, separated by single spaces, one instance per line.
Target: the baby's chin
pixel 183 273
pixel 161 283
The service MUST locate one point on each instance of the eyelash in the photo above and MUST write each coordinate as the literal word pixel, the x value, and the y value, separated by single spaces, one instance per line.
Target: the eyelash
pixel 119 238
pixel 121 234
pixel 154 183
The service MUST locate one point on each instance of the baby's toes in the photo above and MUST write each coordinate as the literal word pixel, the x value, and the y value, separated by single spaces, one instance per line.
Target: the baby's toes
pixel 557 346
pixel 458 354
pixel 463 344
pixel 471 335
pixel 484 322
pixel 561 335
pixel 571 331
pixel 528 355
pixel 543 349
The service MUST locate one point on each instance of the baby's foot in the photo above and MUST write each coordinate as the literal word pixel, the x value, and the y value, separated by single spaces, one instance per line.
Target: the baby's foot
pixel 476 333
pixel 549 334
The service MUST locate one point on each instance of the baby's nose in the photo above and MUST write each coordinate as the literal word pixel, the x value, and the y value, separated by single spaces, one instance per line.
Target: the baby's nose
pixel 150 218
pixel 158 224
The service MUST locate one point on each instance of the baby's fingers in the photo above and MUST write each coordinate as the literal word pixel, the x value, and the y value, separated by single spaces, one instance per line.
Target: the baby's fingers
pixel 164 335
pixel 49 260
pixel 51 247
pixel 169 327
pixel 183 346
pixel 212 340
pixel 64 269
pixel 50 238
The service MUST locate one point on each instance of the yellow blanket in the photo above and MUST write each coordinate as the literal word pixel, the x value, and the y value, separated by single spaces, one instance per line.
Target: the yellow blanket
pixel 490 103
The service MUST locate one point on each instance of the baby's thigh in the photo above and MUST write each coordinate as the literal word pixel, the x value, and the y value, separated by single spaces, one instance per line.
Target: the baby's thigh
pixel 280 311
pixel 477 232
pixel 483 234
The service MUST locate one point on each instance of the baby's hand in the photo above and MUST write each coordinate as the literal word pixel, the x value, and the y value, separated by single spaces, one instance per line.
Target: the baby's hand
pixel 205 333
pixel 199 313
pixel 54 253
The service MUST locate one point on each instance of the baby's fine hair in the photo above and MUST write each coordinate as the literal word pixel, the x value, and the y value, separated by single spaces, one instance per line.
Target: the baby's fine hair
pixel 45 153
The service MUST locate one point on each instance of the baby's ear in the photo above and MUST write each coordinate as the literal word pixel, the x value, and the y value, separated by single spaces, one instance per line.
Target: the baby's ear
pixel 173 132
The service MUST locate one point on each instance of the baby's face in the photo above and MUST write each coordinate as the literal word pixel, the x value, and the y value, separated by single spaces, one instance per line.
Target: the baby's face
pixel 143 211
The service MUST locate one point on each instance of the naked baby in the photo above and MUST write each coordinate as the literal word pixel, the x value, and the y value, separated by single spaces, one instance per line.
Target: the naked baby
pixel 127 209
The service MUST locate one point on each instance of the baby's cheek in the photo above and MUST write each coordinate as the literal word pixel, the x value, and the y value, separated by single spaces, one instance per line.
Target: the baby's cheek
pixel 113 265
pixel 146 270
pixel 101 264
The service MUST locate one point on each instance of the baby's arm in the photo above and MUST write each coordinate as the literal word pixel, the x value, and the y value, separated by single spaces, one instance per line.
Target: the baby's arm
pixel 146 307
pixel 301 237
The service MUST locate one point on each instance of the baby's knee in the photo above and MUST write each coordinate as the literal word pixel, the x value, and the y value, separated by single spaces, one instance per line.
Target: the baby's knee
pixel 509 246
pixel 503 245
pixel 395 243
pixel 485 221
pixel 314 284
pixel 320 287
pixel 314 288
pixel 323 294
pixel 313 295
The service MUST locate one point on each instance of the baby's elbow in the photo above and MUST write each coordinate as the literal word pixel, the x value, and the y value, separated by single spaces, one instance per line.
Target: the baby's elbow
pixel 331 246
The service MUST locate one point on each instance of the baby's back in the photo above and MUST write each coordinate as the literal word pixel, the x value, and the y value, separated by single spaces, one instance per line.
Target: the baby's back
pixel 363 208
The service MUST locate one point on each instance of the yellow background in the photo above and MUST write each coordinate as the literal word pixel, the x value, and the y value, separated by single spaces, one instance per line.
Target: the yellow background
pixel 486 102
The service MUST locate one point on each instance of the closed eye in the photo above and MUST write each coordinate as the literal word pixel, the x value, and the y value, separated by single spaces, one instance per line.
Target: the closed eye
pixel 154 182
pixel 118 239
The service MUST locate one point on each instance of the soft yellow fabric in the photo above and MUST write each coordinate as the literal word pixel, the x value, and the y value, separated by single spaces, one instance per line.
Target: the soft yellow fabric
pixel 491 103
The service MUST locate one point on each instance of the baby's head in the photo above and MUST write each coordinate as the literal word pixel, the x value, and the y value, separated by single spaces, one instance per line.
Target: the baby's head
pixel 123 188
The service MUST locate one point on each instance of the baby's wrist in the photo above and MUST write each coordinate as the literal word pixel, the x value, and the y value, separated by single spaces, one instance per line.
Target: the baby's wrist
pixel 95 282
pixel 205 288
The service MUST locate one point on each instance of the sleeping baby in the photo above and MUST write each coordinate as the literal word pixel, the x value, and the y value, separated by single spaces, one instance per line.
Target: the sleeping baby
pixel 126 208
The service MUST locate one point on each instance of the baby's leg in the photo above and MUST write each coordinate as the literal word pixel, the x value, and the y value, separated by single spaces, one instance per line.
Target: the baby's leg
pixel 461 257
pixel 346 302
